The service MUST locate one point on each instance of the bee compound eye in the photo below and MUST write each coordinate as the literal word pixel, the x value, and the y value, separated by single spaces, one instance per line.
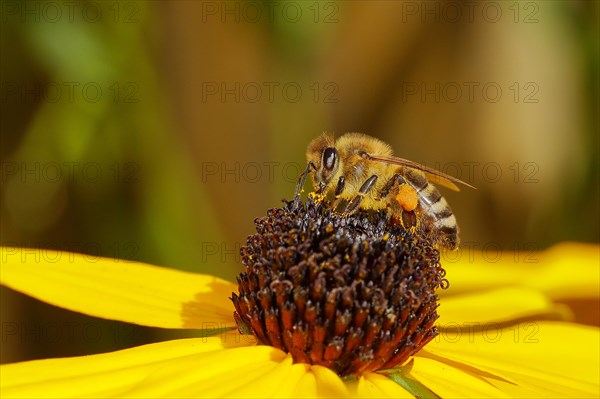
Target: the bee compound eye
pixel 329 158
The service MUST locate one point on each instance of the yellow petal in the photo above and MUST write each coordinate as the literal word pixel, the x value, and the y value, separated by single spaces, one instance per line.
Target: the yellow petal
pixel 544 359
pixel 373 385
pixel 475 310
pixel 307 385
pixel 449 381
pixel 119 290
pixel 571 271
pixel 564 271
pixel 226 366
pixel 319 382
pixel 227 372
pixel 103 375
pixel 245 373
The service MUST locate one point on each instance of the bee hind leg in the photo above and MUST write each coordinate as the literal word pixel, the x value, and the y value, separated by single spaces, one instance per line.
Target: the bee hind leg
pixel 409 220
pixel 408 200
pixel 404 203
pixel 385 191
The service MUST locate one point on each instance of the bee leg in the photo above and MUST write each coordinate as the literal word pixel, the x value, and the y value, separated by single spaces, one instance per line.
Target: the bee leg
pixel 338 191
pixel 302 179
pixel 406 200
pixel 397 178
pixel 321 188
pixel 407 197
pixel 340 186
pixel 409 219
pixel 364 189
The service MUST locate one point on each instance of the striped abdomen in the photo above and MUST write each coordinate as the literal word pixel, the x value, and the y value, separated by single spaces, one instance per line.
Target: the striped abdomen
pixel 436 210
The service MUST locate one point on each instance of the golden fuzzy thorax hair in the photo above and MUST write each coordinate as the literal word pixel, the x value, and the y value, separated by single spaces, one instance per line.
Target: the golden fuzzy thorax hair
pixel 349 148
pixel 360 171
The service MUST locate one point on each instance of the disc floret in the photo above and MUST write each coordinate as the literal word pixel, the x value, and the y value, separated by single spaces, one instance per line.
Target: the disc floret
pixel 354 293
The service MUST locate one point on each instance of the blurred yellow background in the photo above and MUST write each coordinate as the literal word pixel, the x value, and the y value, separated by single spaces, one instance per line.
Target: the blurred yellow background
pixel 158 131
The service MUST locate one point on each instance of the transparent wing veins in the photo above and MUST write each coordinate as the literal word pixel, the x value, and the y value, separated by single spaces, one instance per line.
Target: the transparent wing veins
pixel 434 176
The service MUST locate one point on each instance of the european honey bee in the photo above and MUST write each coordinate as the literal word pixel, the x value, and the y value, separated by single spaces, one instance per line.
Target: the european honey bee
pixel 361 172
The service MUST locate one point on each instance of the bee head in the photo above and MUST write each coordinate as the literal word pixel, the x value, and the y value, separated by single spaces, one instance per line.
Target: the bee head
pixel 324 156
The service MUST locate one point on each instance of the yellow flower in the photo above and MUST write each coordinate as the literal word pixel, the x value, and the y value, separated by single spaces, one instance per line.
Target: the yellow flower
pixel 351 299
pixel 531 359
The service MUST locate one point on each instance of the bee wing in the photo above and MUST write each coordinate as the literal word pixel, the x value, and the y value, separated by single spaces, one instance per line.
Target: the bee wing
pixel 432 175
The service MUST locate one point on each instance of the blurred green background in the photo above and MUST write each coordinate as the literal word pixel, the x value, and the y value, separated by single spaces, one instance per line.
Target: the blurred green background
pixel 157 131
